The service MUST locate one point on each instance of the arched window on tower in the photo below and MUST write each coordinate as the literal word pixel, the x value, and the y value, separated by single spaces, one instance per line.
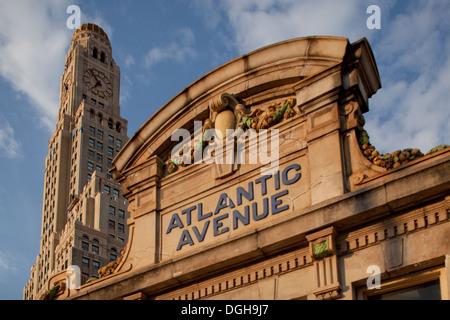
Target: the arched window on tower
pixel 95 53
pixel 102 57
pixel 118 127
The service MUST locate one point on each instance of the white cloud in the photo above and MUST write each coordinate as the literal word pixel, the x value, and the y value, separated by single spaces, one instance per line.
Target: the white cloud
pixel 178 50
pixel 412 109
pixel 33 41
pixel 256 23
pixel 129 60
pixel 412 51
pixel 9 146
pixel 7 265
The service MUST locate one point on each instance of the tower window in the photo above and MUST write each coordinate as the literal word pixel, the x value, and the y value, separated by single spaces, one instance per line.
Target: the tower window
pixel 102 57
pixel 85 262
pixel 85 246
pixel 95 53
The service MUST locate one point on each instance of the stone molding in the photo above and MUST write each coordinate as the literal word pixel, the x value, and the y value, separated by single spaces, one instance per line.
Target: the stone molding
pixel 270 268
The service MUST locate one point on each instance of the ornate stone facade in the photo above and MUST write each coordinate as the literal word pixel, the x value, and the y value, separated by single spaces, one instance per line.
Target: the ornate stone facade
pixel 310 227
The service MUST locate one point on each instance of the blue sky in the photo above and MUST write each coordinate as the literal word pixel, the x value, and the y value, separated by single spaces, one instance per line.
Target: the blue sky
pixel 164 45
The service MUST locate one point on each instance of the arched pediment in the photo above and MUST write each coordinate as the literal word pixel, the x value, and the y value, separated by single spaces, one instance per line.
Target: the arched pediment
pixel 260 77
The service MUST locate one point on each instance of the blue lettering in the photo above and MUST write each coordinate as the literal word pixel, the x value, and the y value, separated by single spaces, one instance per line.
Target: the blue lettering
pixel 201 216
pixel 201 236
pixel 285 179
pixel 277 180
pixel 174 222
pixel 275 202
pixel 241 192
pixel 217 224
pixel 257 217
pixel 223 203
pixel 188 214
pixel 263 181
pixel 245 219
pixel 185 239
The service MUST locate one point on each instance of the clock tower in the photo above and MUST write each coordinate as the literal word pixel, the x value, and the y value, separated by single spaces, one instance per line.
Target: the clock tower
pixel 90 70
pixel 83 213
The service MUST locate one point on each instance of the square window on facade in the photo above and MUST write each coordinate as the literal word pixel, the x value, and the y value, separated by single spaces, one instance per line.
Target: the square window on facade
pixel 100 134
pixel 111 224
pixel 91 142
pixel 112 210
pixel 110 139
pixel 116 193
pixel 121 227
pixel 85 262
pixel 119 143
pixel 107 189
pixel 121 214
pixel 99 145
pixel 95 265
pixel 85 246
pixel 98 168
pixel 92 130
pixel 91 154
pixel 95 249
pixel 90 166
pixel 110 151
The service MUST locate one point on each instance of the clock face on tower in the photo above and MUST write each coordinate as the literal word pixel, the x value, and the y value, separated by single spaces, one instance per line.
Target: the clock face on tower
pixel 66 85
pixel 98 83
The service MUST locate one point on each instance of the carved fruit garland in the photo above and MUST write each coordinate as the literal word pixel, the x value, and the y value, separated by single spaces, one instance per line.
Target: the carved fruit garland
pixel 390 160
pixel 256 119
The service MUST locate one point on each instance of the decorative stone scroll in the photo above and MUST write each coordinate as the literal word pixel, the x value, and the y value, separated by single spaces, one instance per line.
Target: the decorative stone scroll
pixel 226 112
